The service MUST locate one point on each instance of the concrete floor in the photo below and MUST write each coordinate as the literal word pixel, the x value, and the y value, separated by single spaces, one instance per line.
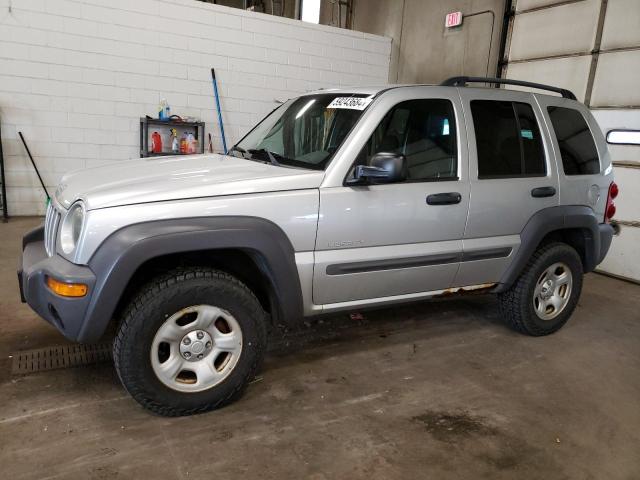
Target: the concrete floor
pixel 435 390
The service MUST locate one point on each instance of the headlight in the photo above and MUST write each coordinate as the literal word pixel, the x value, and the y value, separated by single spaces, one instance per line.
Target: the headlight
pixel 71 228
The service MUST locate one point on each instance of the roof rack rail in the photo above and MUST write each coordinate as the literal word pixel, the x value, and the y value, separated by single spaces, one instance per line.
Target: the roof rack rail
pixel 462 81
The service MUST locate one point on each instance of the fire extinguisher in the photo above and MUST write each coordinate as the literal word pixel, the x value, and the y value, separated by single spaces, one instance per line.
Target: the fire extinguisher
pixel 156 143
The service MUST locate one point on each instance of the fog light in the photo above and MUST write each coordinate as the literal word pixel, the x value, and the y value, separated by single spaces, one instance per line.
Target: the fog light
pixel 67 289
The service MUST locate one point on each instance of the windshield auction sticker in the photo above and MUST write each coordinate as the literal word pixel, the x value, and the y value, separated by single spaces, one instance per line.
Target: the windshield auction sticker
pixel 353 103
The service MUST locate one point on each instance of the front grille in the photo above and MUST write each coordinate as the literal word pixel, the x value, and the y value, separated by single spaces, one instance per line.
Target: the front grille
pixel 51 222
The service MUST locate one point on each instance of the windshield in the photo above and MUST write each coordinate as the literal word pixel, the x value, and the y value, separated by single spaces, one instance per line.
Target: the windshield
pixel 305 131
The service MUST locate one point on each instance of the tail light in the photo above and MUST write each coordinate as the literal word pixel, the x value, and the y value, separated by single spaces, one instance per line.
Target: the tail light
pixel 610 209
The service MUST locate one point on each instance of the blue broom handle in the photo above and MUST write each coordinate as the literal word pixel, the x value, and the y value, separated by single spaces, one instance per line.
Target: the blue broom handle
pixel 215 91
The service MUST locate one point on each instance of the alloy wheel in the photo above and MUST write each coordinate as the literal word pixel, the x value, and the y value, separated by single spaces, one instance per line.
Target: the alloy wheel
pixel 196 348
pixel 552 291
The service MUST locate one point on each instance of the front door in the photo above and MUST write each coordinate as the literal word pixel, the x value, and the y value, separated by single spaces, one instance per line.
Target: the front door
pixel 380 241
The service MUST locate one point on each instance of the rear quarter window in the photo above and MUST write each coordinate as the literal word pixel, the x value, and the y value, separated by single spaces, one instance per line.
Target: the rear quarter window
pixel 577 146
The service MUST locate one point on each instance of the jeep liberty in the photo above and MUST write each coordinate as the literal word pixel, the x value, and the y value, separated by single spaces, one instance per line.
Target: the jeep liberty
pixel 338 200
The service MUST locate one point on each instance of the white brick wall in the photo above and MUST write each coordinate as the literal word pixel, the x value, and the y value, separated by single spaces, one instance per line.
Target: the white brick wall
pixel 76 76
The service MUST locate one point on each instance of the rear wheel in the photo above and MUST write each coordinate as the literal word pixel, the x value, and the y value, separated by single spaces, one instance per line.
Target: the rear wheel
pixel 546 293
pixel 190 341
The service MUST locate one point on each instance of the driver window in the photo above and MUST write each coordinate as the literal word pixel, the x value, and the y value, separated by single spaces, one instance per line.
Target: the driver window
pixel 424 131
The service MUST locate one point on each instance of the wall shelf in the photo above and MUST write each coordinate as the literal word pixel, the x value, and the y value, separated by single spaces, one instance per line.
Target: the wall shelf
pixel 163 127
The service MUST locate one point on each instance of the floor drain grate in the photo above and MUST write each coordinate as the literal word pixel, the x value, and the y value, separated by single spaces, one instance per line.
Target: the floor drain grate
pixel 59 356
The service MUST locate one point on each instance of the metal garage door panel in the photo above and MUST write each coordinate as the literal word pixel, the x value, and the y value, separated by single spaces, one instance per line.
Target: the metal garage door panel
pixel 628 179
pixel 621 25
pixel 610 119
pixel 570 73
pixel 617 79
pixel 623 256
pixel 627 153
pixel 560 30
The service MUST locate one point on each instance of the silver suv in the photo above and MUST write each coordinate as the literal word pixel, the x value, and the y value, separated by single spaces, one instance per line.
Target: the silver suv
pixel 338 200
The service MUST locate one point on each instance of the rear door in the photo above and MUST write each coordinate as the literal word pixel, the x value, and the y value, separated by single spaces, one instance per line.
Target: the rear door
pixel 512 175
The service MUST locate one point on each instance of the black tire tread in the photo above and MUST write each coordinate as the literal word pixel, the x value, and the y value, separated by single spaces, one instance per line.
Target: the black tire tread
pixel 136 307
pixel 513 302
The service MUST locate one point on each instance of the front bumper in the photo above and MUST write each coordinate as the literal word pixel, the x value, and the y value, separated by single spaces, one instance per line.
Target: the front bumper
pixel 65 313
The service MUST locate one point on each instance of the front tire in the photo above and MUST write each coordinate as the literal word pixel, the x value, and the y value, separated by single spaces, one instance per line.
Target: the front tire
pixel 190 342
pixel 546 293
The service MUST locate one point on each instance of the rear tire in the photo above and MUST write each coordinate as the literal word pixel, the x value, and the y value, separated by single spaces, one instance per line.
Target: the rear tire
pixel 545 295
pixel 190 341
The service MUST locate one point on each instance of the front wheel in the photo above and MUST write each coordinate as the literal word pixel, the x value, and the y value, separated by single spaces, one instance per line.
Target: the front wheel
pixel 546 293
pixel 190 342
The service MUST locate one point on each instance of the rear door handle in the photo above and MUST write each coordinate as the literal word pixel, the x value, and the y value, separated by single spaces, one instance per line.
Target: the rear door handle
pixel 449 198
pixel 542 192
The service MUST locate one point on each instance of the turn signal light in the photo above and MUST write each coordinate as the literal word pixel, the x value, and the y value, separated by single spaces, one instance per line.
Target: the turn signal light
pixel 67 289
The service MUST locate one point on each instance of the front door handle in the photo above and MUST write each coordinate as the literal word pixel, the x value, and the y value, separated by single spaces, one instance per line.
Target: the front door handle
pixel 542 192
pixel 449 198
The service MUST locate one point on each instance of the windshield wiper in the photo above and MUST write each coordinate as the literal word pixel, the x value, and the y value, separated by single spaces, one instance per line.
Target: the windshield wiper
pixel 251 151
pixel 269 154
pixel 238 149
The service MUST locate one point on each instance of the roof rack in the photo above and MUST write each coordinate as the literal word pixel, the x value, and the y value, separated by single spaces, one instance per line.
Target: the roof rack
pixel 462 81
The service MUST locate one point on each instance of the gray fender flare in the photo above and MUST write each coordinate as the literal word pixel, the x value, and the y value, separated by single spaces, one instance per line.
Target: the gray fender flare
pixel 124 251
pixel 546 221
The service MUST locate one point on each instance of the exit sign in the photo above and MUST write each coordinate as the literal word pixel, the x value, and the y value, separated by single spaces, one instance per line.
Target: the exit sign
pixel 453 19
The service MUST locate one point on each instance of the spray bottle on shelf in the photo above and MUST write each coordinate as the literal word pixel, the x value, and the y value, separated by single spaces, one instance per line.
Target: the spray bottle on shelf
pixel 175 144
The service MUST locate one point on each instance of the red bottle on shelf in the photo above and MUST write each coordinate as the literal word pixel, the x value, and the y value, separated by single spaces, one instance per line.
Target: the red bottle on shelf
pixel 156 143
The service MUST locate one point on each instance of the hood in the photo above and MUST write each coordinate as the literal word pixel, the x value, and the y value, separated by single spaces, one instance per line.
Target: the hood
pixel 173 178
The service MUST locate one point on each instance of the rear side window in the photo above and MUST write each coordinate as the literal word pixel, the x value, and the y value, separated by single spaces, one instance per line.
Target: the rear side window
pixel 577 147
pixel 508 140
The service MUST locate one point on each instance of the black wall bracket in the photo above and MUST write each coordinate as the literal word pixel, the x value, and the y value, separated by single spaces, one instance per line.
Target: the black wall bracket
pixel 3 187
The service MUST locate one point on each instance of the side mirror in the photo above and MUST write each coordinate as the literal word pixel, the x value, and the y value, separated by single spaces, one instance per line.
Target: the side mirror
pixel 386 167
